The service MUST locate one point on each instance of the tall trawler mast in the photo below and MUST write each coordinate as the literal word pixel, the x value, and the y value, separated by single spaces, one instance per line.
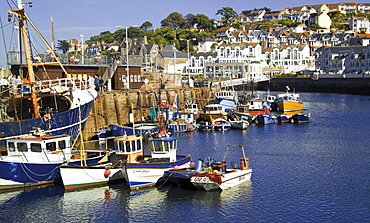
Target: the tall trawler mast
pixel 22 16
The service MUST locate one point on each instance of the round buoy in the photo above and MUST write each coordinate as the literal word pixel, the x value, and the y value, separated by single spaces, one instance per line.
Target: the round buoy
pixel 192 164
pixel 106 173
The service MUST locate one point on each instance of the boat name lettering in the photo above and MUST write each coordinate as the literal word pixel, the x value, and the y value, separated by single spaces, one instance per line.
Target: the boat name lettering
pixel 141 171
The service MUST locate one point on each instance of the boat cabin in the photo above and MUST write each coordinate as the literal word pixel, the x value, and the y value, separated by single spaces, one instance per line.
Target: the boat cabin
pixel 192 107
pixel 288 97
pixel 130 145
pixel 184 117
pixel 39 144
pixel 163 148
pixel 213 109
pixel 242 109
pixel 229 95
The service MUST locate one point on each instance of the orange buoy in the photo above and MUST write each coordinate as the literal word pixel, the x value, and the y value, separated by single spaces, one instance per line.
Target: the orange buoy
pixel 192 164
pixel 106 173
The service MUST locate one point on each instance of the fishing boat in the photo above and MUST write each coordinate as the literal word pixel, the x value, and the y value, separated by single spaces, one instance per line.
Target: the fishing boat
pixel 219 177
pixel 266 119
pixel 239 123
pixel 105 171
pixel 300 118
pixel 56 106
pixel 183 122
pixel 205 126
pixel 242 111
pixel 142 171
pixel 283 118
pixel 192 107
pixel 289 101
pixel 181 177
pixel 33 159
pixel 221 124
pixel 145 129
pixel 211 112
pixel 257 106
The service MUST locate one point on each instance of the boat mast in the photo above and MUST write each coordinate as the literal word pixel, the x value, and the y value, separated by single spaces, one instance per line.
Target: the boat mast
pixel 22 26
pixel 52 34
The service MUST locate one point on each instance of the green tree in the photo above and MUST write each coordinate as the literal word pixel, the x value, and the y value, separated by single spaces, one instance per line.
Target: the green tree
pixel 227 13
pixel 63 45
pixel 146 26
pixel 202 21
pixel 174 21
pixel 288 22
pixel 135 32
pixel 316 26
pixel 107 36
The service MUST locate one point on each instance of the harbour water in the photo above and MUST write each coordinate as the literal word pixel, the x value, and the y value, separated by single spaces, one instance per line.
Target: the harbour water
pixel 314 172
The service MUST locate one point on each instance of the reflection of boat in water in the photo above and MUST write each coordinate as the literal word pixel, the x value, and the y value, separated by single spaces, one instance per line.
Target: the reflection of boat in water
pixel 56 106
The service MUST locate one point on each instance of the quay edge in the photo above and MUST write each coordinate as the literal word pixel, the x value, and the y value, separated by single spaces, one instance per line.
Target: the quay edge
pixel 359 86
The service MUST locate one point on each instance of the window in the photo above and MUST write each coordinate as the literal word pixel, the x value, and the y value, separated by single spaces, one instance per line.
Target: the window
pixel 22 147
pixel 128 146
pixel 62 144
pixel 51 146
pixel 36 147
pixel 11 147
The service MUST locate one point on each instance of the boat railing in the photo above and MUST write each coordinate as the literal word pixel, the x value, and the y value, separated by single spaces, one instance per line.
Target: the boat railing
pixel 63 84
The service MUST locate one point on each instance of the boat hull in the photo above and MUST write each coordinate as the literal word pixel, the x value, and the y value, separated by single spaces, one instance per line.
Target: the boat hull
pixel 177 178
pixel 142 175
pixel 300 118
pixel 81 177
pixel 182 127
pixel 287 106
pixel 19 175
pixel 68 122
pixel 221 124
pixel 265 120
pixel 210 181
pixel 239 124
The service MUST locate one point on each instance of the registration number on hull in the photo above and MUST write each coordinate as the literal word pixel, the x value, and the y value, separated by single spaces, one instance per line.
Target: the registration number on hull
pixel 200 179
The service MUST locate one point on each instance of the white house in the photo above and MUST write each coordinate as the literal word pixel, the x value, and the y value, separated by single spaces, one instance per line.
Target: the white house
pixel 359 24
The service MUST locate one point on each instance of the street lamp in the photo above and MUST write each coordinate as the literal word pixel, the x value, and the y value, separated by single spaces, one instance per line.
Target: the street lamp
pixel 127 69
pixel 82 48
pixel 187 41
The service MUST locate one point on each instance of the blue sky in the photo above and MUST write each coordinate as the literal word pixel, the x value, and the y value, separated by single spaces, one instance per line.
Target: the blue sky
pixel 73 18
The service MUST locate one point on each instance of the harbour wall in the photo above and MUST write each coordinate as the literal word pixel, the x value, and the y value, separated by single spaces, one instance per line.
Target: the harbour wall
pixel 360 86
pixel 114 107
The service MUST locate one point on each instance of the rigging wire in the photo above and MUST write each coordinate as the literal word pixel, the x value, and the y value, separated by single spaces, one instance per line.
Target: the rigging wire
pixel 2 31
